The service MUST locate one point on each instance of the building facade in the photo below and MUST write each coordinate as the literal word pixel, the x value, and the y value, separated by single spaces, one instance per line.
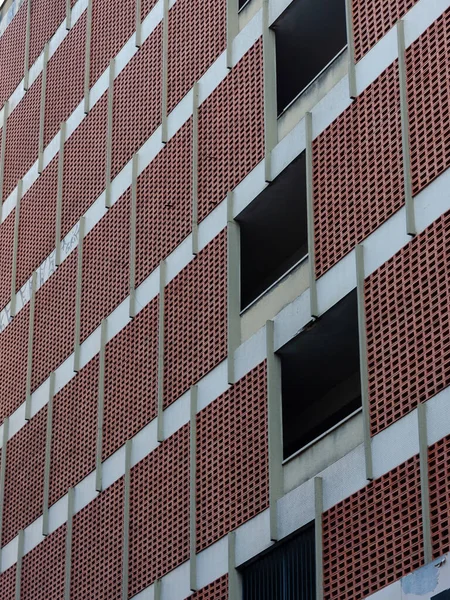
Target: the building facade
pixel 224 299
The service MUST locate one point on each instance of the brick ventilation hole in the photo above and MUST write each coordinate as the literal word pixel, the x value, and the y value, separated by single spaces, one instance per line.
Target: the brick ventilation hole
pixel 380 525
pixel 197 37
pixel 12 54
pixel 438 468
pixel 43 568
pixel 24 477
pixel 97 547
pixel 372 20
pixel 74 431
pixel 164 203
pixel 365 186
pixel 235 113
pixel 195 315
pixel 159 512
pixel 217 590
pixel 131 381
pixel 232 458
pixel 428 72
pixel 408 326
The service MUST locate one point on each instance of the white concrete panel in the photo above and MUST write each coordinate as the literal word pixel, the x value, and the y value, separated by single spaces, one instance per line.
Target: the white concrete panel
pixel 175 585
pixel 212 385
pixel 296 509
pixel 291 320
pixel 118 319
pixel 330 107
pixel 252 538
pixel 212 225
pixel 40 397
pixel 421 16
pixel 385 241
pixel 212 78
pixel 113 468
pixel 438 416
pixel 433 201
pixel 247 37
pixel 179 259
pixel 89 348
pixel 147 291
pixel 57 514
pixel 248 189
pixel 9 554
pixel 392 592
pixel 144 442
pixel 212 563
pixel 33 535
pixel 16 421
pixel 84 492
pixel 343 478
pixel 376 60
pixel 339 281
pixel 287 150
pixel 177 415
pixel 179 115
pixel 251 353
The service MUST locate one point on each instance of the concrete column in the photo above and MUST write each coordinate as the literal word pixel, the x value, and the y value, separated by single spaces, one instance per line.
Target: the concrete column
pixel 424 482
pixel 232 29
pixel 109 133
pixel 234 588
pixel 48 451
pixel 68 15
pixel 192 491
pixel 100 408
pixel 20 545
pixel 12 306
pixel 195 168
pixel 30 347
pixel 318 509
pixel 351 49
pixel 162 284
pixel 133 217
pixel 78 294
pixel 138 38
pixel 165 68
pixel 87 59
pixel 59 194
pixel 126 519
pixel 26 66
pixel 3 477
pixel 310 217
pixel 69 532
pixel 3 152
pixel 42 112
pixel 270 92
pixel 233 289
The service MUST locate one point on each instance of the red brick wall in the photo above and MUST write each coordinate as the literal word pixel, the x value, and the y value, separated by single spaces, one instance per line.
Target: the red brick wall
pixel 44 22
pixel 218 590
pixel 12 54
pixel 6 255
pixel 438 467
pixel 8 583
pixel 374 537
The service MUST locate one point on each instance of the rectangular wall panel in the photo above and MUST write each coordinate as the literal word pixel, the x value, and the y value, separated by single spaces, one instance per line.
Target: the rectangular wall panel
pixel 13 358
pixel 37 206
pixel 164 203
pixel 131 379
pixel 365 186
pixel 232 458
pixel 195 316
pixel 217 590
pixel 372 20
pixel 428 72
pixel 97 547
pixel 22 137
pixel 43 569
pixel 231 131
pixel 438 470
pixel 12 54
pixel 408 328
pixel 137 101
pixel 159 511
pixel 84 165
pixel 197 37
pixel 74 431
pixel 65 79
pixel 8 583
pixel 6 257
pixel 54 321
pixel 46 17
pixel 24 479
pixel 106 262
pixel 374 537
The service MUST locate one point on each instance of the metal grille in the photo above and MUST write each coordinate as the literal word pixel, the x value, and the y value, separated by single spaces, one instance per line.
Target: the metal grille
pixel 45 19
pixel 6 256
pixel 12 54
pixel 235 113
pixel 232 458
pixel 408 326
pixel 159 512
pixel 365 185
pixel 164 203
pixel 24 478
pixel 195 316
pixel 287 572
pixel 428 71
pixel 106 260
pixel 218 590
pixel 380 525
pixel 131 379
pixel 438 468
pixel 74 431
pixel 372 20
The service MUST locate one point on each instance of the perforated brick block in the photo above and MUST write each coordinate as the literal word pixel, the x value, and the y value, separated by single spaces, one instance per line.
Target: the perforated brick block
pixel 54 321
pixel 24 478
pixel 37 206
pixel 218 590
pixel 164 203
pixel 232 483
pixel 231 131
pixel 13 357
pixel 65 79
pixel 43 569
pixel 146 6
pixel 84 165
pixel 137 101
pixel 195 319
pixel 131 379
pixel 372 20
pixel 408 328
pixel 365 186
pixel 113 23
pixel 74 431
pixel 6 257
pixel 22 137
pixel 438 468
pixel 45 19
pixel 428 72
pixel 197 36
pixel 106 265
pixel 12 54
pixel 8 583
pixel 159 512
pixel 97 547
pixel 380 525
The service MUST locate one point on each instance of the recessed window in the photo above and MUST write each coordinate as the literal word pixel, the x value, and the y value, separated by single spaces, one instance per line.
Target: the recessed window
pixel 273 232
pixel 320 376
pixel 242 3
pixel 286 572
pixel 309 35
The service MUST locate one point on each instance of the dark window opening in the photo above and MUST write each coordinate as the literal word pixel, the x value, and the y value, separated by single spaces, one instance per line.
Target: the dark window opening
pixel 320 376
pixel 242 3
pixel 309 34
pixel 286 572
pixel 273 232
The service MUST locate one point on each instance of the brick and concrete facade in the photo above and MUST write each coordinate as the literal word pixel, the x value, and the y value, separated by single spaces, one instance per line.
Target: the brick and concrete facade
pixel 159 434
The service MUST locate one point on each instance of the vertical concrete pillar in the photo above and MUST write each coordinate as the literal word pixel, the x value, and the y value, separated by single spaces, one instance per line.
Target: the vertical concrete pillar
pixel 2 153
pixel 26 66
pixel 424 482
pixel 233 288
pixel 109 133
pixel 133 217
pixel 68 15
pixel 59 193
pixel 138 38
pixel 100 407
pixel 318 510
pixel 78 294
pixel 195 168
pixel 2 478
pixel 12 306
pixel 192 491
pixel 165 68
pixel 20 546
pixel 42 112
pixel 310 217
pixel 126 520
pixel 351 49
pixel 270 92
pixel 87 59
pixel 69 532
pixel 30 347
pixel 162 284
pixel 48 451
pixel 232 29
pixel 233 575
